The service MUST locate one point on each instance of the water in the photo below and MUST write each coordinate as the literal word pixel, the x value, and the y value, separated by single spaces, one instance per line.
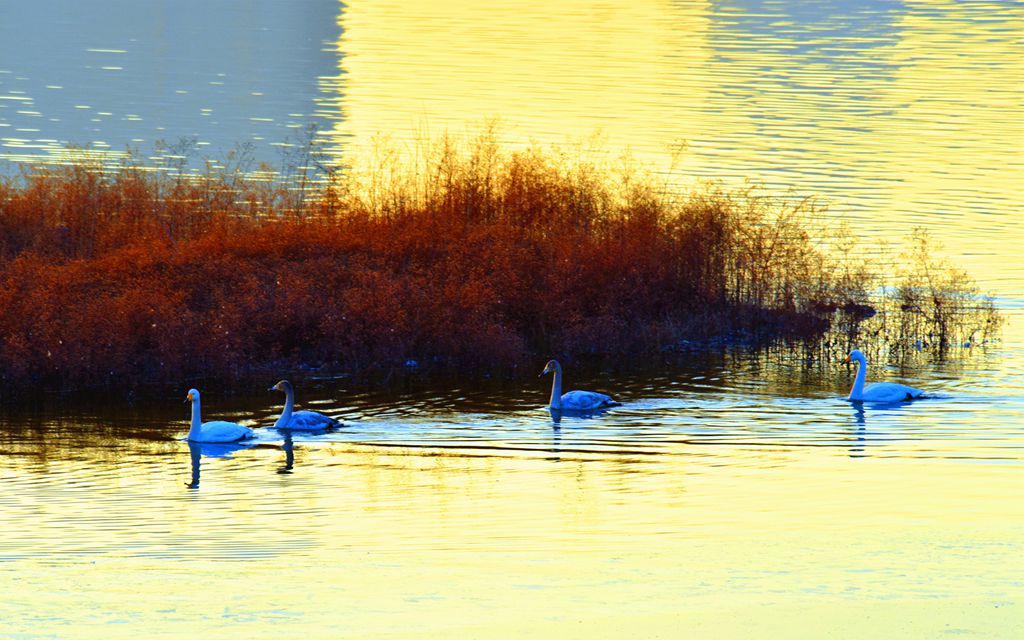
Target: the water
pixel 730 496
pixel 897 114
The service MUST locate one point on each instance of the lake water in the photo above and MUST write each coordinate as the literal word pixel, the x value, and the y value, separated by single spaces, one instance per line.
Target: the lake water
pixel 731 495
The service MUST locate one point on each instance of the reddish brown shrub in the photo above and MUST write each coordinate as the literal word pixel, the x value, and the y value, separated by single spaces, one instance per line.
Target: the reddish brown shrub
pixel 478 257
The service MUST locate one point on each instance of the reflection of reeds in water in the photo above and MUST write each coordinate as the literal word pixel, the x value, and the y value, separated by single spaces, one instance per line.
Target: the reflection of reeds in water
pixel 919 302
pixel 461 254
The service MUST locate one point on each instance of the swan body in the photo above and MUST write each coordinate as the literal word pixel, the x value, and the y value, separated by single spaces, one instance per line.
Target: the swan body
pixel 880 391
pixel 574 400
pixel 215 430
pixel 300 420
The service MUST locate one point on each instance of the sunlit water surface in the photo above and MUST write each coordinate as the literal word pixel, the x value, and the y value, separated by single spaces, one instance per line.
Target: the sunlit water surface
pixel 730 496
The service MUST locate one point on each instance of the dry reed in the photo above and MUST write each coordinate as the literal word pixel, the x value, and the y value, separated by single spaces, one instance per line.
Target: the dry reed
pixel 462 255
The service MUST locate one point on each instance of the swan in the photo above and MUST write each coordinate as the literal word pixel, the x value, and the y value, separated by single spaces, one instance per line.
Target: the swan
pixel 215 430
pixel 574 400
pixel 880 391
pixel 300 420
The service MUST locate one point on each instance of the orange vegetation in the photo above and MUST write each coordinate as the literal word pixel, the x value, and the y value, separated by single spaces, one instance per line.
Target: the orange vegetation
pixel 469 257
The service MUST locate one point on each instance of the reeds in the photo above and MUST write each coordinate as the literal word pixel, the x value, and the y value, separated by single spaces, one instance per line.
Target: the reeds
pixel 457 254
pixel 921 303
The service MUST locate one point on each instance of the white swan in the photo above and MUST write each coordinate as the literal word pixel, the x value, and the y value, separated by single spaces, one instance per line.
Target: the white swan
pixel 215 430
pixel 300 420
pixel 879 391
pixel 574 400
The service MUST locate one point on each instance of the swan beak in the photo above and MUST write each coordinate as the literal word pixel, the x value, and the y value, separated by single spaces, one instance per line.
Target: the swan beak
pixel 188 398
pixel 846 360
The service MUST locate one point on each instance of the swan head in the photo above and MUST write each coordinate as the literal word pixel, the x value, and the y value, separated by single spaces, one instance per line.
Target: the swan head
pixel 193 396
pixel 855 356
pixel 282 385
pixel 551 367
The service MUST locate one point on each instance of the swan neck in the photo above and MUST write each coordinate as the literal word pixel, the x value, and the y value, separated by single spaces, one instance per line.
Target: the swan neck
pixel 857 392
pixel 556 389
pixel 289 406
pixel 197 421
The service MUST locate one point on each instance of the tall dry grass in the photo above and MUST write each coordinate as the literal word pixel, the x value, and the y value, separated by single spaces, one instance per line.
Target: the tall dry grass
pixel 460 254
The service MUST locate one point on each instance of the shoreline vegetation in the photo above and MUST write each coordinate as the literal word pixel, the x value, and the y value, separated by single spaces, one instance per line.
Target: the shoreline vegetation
pixel 463 255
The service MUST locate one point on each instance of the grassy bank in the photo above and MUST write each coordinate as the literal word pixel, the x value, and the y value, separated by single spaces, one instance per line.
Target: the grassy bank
pixel 467 255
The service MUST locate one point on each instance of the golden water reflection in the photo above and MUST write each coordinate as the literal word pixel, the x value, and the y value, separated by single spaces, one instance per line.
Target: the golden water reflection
pixel 899 115
pixel 391 543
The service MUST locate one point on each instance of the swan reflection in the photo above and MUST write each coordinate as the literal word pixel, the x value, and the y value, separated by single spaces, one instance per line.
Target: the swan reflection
pixel 859 439
pixel 211 450
pixel 887 417
pixel 556 433
pixel 289 453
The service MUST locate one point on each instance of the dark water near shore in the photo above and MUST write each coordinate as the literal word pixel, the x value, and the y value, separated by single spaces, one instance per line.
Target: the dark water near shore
pixel 731 496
